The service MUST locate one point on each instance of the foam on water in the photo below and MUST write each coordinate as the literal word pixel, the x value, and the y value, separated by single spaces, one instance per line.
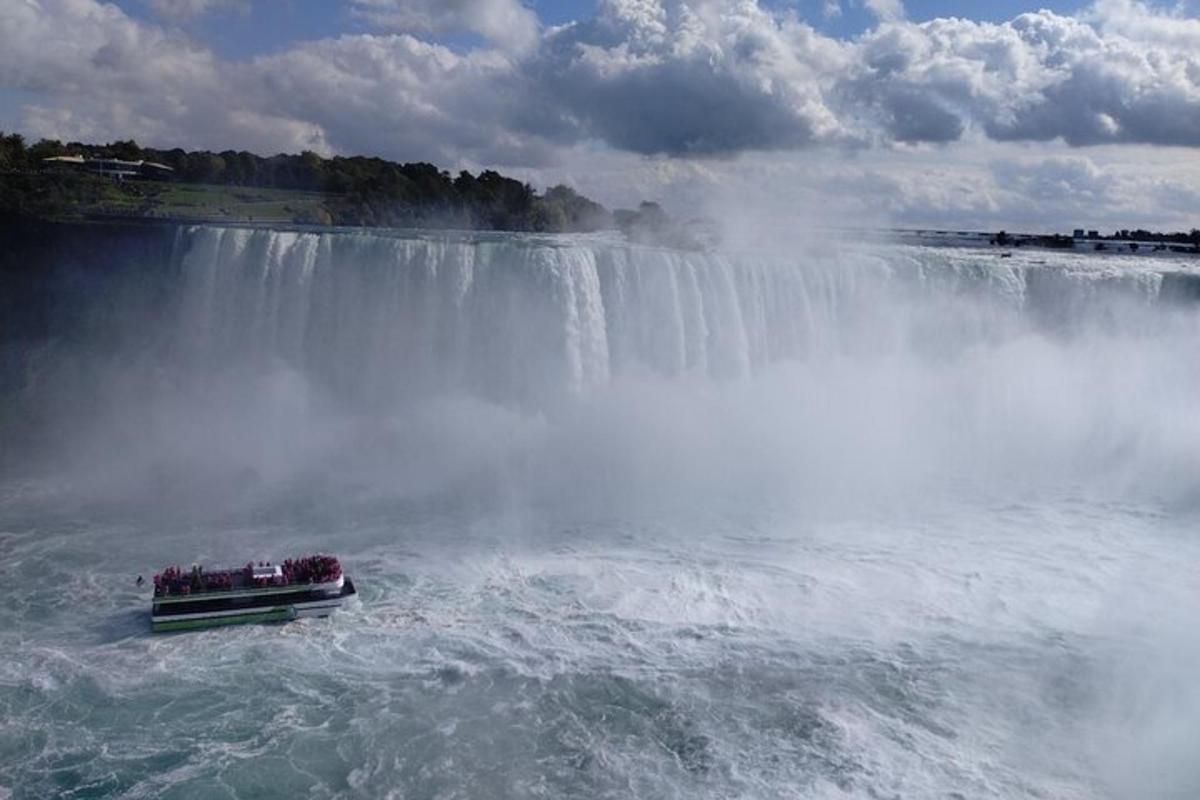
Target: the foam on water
pixel 876 522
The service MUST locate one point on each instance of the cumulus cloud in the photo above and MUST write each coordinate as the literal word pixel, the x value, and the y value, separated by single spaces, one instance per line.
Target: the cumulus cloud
pixel 400 96
pixel 1039 77
pixel 1138 22
pixel 105 75
pixel 726 76
pixel 886 10
pixel 698 77
pixel 506 22
pixel 99 72
pixel 1090 87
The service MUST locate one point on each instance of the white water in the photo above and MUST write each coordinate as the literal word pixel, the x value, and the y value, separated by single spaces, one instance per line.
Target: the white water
pixel 862 522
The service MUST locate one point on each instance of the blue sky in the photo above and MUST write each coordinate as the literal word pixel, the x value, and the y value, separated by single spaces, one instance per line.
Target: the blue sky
pixel 997 114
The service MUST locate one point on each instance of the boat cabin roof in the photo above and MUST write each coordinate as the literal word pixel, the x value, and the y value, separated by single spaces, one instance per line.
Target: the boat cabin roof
pixel 268 572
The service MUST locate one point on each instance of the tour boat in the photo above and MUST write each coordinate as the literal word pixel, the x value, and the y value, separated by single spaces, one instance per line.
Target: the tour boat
pixel 312 586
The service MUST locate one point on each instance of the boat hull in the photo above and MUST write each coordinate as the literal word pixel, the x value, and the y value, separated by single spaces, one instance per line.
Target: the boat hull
pixel 248 610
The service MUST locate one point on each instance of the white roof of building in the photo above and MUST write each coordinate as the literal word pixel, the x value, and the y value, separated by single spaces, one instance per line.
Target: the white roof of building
pixel 110 162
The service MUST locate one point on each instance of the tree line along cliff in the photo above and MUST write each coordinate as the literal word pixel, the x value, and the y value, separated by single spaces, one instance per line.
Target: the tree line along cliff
pixel 305 188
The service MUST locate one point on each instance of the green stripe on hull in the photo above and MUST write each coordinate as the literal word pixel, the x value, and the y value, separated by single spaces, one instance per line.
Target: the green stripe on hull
pixel 280 614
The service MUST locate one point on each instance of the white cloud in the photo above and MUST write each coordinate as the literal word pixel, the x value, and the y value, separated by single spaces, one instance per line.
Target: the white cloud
pixel 989 186
pixel 1039 77
pixel 99 72
pixel 398 96
pixel 698 77
pixel 188 9
pixel 885 10
pixel 1067 186
pixel 104 75
pixel 723 76
pixel 1139 22
pixel 505 22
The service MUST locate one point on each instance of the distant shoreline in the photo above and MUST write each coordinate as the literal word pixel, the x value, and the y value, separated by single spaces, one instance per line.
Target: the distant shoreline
pixel 1138 242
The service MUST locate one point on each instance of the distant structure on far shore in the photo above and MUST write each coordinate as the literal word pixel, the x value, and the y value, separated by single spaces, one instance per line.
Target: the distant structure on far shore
pixel 115 168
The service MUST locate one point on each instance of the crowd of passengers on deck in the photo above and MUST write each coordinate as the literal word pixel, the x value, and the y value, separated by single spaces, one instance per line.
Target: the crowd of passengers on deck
pixel 308 569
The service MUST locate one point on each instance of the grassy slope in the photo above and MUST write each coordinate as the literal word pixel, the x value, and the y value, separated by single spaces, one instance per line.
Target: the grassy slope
pixel 231 203
pixel 200 202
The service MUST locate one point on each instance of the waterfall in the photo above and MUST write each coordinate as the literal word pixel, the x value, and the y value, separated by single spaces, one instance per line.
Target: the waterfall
pixel 219 348
pixel 381 317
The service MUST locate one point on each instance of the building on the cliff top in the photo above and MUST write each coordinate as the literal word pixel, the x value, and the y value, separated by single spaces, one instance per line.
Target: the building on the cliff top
pixel 116 168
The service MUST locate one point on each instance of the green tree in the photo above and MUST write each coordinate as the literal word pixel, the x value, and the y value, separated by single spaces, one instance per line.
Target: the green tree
pixel 127 150
pixel 45 148
pixel 12 151
pixel 310 172
pixel 205 167
pixel 359 190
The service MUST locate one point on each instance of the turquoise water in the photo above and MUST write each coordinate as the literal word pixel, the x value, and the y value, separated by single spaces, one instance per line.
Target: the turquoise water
pixel 990 650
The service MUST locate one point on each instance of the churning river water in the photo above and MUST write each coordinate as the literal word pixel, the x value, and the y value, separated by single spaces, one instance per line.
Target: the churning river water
pixel 878 521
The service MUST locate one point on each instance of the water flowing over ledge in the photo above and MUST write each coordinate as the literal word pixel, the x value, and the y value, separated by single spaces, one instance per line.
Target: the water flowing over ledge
pixel 217 354
pixel 531 319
